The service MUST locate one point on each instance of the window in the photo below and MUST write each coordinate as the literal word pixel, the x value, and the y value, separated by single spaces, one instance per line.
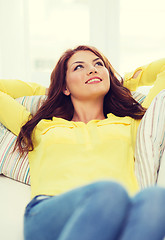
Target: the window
pixel 142 35
pixel 36 33
pixel 57 26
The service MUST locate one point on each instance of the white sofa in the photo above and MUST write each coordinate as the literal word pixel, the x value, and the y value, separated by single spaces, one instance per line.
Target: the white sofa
pixel 15 195
pixel 14 198
pixel 14 179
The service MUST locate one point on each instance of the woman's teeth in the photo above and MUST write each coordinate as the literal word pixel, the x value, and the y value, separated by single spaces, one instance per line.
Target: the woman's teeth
pixel 94 80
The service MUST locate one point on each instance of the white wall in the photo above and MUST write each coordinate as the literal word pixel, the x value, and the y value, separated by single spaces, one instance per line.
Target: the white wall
pixel 18 33
pixel 142 35
pixel 105 29
pixel 14 54
pixel 130 33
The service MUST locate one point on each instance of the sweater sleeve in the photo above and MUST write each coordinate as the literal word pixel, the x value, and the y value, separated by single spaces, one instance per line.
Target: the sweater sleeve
pixel 12 114
pixel 18 88
pixel 147 75
pixel 157 88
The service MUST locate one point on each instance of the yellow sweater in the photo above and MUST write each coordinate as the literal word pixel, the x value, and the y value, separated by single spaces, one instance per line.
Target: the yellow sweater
pixel 70 154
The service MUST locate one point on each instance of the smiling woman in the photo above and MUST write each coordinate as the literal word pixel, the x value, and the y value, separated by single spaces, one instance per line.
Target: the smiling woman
pixel 70 98
pixel 80 145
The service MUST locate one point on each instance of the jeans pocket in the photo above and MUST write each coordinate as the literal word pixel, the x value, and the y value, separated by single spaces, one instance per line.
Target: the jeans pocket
pixel 35 201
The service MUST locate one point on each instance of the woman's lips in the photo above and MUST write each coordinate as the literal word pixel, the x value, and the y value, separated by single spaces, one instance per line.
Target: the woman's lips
pixel 93 80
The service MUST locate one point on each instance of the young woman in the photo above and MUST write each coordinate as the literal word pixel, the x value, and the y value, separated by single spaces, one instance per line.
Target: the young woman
pixel 81 155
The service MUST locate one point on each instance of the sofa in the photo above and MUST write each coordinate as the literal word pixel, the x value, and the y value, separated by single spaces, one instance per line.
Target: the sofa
pixel 14 198
pixel 15 177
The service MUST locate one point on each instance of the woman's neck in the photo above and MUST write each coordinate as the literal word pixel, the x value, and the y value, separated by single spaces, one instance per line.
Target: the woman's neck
pixel 87 111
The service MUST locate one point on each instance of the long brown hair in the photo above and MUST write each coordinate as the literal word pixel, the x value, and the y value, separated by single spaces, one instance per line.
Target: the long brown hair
pixel 118 100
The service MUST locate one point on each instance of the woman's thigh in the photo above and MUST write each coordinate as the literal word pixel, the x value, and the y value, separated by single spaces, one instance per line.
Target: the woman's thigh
pixel 90 208
pixel 146 218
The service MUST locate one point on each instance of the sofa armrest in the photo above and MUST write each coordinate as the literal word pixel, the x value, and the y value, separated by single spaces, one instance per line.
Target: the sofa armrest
pixel 14 198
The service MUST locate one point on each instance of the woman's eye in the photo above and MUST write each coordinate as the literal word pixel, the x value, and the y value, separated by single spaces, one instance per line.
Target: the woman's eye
pixel 78 67
pixel 99 63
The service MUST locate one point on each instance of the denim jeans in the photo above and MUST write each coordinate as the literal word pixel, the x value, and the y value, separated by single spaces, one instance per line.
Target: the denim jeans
pixel 99 211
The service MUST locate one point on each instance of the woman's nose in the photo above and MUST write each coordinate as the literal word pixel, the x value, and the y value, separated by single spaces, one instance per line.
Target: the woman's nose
pixel 92 70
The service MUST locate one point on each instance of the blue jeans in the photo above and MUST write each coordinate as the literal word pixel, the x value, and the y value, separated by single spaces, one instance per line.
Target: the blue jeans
pixel 99 211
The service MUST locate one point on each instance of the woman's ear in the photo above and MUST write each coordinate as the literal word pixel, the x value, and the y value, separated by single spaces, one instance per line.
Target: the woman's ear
pixel 66 91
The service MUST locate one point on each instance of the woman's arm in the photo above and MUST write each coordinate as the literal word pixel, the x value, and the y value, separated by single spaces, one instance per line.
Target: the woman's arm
pixel 151 74
pixel 144 76
pixel 18 88
pixel 157 88
pixel 12 114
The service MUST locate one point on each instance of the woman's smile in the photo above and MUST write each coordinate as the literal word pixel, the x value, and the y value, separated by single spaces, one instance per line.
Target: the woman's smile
pixel 93 80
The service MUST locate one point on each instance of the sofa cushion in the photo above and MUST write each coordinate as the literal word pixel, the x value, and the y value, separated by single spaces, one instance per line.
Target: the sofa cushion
pixel 11 164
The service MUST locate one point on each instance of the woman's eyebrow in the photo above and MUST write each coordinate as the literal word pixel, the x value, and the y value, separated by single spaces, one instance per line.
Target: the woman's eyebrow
pixel 96 59
pixel 77 62
pixel 84 62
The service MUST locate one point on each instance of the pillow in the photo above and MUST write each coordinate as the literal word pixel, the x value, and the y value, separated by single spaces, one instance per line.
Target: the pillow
pixel 11 165
pixel 139 97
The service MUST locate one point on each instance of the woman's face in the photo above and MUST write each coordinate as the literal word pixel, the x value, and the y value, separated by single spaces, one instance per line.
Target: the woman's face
pixel 86 77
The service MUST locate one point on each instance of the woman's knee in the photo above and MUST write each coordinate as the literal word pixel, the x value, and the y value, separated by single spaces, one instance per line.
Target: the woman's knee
pixel 152 194
pixel 151 202
pixel 110 191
